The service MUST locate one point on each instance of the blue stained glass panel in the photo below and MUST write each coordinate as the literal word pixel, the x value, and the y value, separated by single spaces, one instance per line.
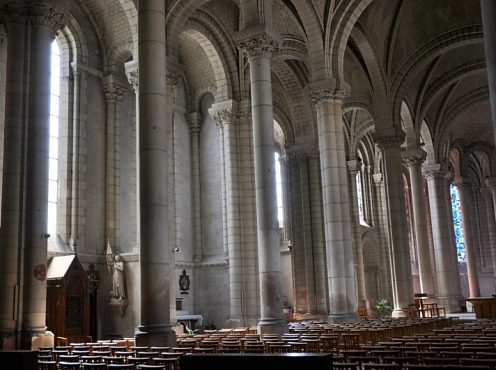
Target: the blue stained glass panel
pixel 457 223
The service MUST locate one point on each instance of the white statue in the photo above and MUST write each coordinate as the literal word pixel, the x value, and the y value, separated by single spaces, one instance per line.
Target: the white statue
pixel 118 290
pixel 115 266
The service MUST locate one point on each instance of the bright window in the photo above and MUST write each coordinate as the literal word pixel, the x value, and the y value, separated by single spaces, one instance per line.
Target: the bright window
pixel 361 212
pixel 280 210
pixel 54 140
pixel 457 223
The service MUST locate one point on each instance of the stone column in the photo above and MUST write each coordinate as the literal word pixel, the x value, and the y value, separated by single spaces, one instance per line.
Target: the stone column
pixel 448 279
pixel 154 323
pixel 354 168
pixel 132 75
pixel 415 158
pixel 488 12
pixel 402 284
pixel 114 91
pixel 491 225
pixel 491 184
pixel 335 194
pixel 466 204
pixel 23 233
pixel 259 46
pixel 194 128
pixel 225 114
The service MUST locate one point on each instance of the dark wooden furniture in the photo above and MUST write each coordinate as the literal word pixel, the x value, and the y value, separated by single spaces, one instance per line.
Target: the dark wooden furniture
pixel 484 307
pixel 229 361
pixel 67 298
pixel 19 360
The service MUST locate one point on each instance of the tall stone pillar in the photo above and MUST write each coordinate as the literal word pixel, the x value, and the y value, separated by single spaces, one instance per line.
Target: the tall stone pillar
pixel 448 280
pixel 23 232
pixel 335 194
pixel 225 114
pixel 415 158
pixel 259 45
pixel 114 91
pixel 132 74
pixel 467 203
pixel 488 12
pixel 402 284
pixel 491 225
pixel 354 169
pixel 194 128
pixel 491 184
pixel 154 323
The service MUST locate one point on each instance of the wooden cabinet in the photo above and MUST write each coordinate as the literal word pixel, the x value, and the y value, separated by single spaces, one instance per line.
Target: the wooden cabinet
pixel 484 307
pixel 67 298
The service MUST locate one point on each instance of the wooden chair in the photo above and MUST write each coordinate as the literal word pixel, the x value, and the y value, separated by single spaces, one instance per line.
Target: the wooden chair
pixel 157 367
pixel 167 363
pixel 138 360
pixel 69 358
pixel 381 366
pixel 47 365
pixel 345 366
pixel 61 341
pixel 121 366
pixel 68 365
pixel 113 360
pixel 93 365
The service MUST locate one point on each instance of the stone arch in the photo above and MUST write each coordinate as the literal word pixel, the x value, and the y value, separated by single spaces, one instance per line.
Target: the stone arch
pixel 339 26
pixel 457 108
pixel 425 54
pixel 426 136
pixel 284 121
pixel 408 125
pixel 222 90
pixel 441 84
pixel 131 12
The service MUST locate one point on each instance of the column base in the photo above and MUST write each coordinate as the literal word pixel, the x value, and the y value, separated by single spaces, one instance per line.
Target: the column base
pixel 155 335
pixel 30 338
pixel 451 303
pixel 272 326
pixel 399 313
pixel 342 317
pixel 233 322
pixel 7 340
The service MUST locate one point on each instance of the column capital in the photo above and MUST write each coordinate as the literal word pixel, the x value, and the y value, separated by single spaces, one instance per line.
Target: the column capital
pixel 224 113
pixel 414 157
pixel 377 177
pixel 194 122
pixel 173 75
pixel 486 193
pixel 354 166
pixel 113 88
pixel 328 90
pixel 132 73
pixel 462 183
pixel 258 41
pixel 433 171
pixel 389 138
pixel 36 14
pixel 302 151
pixel 491 183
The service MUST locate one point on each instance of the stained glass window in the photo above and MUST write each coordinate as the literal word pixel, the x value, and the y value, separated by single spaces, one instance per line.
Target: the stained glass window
pixel 457 223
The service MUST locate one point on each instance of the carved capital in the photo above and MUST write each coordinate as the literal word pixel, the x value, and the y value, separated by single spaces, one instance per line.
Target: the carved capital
pixel 354 166
pixel 41 14
pixel 328 90
pixel 194 122
pixel 390 138
pixel 414 157
pixel 302 151
pixel 132 73
pixel 258 41
pixel 113 89
pixel 491 183
pixel 434 171
pixel 173 75
pixel 224 113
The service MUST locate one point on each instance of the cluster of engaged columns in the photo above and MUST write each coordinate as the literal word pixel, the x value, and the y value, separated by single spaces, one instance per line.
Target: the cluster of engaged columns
pixel 335 193
pixel 23 232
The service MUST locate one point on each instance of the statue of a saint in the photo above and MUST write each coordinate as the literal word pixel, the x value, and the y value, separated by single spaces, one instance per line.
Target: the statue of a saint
pixel 118 290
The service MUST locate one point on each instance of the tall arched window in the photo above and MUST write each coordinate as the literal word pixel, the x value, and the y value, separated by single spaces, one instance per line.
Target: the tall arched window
pixel 280 209
pixel 54 140
pixel 457 223
pixel 361 211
